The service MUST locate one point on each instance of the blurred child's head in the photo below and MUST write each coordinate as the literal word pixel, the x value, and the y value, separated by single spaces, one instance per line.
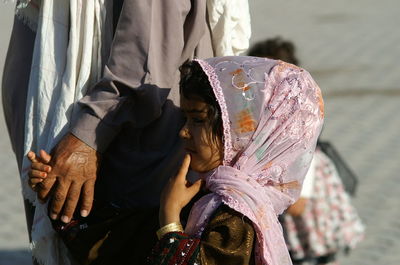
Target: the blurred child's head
pixel 203 129
pixel 275 48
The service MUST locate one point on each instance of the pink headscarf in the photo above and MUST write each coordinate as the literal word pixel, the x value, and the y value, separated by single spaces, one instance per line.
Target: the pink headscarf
pixel 272 114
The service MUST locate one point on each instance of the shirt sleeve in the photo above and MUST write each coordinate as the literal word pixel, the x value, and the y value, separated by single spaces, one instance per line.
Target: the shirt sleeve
pixel 230 26
pixel 227 239
pixel 151 41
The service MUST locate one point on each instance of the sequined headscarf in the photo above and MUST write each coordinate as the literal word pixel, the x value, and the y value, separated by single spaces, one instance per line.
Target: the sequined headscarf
pixel 272 115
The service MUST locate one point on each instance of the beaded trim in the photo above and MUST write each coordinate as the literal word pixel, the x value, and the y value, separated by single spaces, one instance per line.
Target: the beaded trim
pixel 216 85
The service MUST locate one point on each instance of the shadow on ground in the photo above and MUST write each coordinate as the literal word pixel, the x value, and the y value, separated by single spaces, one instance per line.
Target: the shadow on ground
pixel 15 257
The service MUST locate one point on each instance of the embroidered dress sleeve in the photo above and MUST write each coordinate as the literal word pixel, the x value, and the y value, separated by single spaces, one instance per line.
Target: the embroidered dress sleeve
pixel 152 39
pixel 227 239
pixel 175 248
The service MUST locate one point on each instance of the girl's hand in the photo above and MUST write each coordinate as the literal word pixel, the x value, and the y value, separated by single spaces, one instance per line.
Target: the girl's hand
pixel 177 194
pixel 297 208
pixel 39 168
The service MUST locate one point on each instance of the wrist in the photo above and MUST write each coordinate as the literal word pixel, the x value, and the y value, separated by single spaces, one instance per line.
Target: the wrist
pixel 172 227
pixel 169 215
pixel 78 145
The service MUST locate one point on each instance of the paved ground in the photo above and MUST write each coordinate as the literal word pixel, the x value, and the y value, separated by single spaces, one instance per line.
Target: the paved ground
pixel 352 49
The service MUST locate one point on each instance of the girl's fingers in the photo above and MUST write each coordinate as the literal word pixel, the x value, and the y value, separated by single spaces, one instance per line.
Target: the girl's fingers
pixel 34 181
pixel 32 157
pixel 45 156
pixel 195 187
pixel 184 168
pixel 37 174
pixel 41 167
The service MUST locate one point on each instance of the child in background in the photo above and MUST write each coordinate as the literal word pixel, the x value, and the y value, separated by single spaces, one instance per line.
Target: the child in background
pixel 323 221
pixel 277 49
pixel 251 130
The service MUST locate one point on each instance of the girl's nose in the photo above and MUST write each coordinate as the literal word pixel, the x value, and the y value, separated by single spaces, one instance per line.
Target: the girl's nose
pixel 184 132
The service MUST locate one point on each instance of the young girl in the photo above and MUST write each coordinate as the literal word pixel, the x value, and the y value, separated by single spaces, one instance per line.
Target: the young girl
pixel 251 130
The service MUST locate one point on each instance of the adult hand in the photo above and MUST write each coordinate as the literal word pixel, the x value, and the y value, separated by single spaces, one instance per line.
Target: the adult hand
pixel 71 179
pixel 177 194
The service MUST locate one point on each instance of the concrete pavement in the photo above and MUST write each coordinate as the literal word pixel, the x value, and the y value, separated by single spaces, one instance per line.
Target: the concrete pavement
pixel 352 50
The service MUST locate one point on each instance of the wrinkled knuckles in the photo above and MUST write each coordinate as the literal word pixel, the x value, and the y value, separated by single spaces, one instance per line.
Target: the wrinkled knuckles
pixel 58 197
pixel 87 192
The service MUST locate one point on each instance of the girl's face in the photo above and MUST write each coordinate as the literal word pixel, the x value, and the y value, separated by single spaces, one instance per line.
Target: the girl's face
pixel 205 149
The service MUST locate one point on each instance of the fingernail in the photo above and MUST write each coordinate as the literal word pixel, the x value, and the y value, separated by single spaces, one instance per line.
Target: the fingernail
pixel 65 219
pixel 47 169
pixel 84 213
pixel 53 216
pixel 43 174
